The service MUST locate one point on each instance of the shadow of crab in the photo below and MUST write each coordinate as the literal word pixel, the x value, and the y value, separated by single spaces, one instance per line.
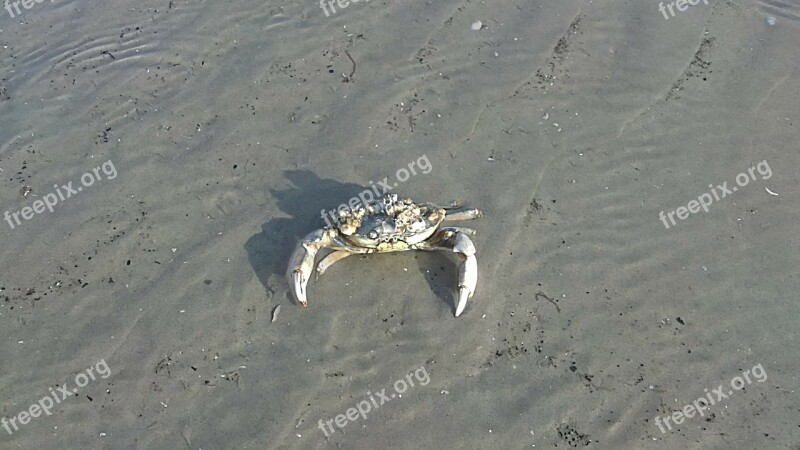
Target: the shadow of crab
pixel 269 250
pixel 440 272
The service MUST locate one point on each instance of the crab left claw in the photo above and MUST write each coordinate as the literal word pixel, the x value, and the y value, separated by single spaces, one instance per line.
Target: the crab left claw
pixel 467 270
pixel 455 239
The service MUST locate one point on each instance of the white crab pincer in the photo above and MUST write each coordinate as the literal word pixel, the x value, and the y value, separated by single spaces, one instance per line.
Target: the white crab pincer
pixel 388 225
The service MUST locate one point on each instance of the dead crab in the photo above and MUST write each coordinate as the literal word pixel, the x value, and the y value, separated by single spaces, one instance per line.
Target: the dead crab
pixel 388 225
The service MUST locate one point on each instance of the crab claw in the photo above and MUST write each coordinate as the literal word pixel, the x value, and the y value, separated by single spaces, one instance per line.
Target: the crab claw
pixel 467 271
pixel 299 287
pixel 301 264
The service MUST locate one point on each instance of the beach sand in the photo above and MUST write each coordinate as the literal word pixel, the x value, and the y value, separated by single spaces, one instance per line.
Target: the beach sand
pixel 230 126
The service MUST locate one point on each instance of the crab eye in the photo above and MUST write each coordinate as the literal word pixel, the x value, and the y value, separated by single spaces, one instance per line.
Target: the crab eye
pixel 373 234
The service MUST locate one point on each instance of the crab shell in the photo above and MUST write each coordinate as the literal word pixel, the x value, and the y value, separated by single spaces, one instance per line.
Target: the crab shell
pixel 389 225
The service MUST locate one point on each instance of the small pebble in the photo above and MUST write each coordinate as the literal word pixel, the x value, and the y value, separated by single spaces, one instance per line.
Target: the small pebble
pixel 477 25
pixel 771 20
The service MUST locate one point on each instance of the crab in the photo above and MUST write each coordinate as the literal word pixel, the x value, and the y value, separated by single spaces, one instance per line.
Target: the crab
pixel 388 225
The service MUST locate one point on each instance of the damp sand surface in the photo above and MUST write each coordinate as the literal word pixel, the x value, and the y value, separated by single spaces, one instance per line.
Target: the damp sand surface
pixel 185 147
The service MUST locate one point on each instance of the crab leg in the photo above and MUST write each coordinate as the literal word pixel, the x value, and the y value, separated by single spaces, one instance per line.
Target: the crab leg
pixel 301 264
pixel 466 214
pixel 465 230
pixel 328 261
pixel 455 204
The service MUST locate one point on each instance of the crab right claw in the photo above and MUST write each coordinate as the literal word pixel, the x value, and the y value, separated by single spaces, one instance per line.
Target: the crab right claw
pixel 301 264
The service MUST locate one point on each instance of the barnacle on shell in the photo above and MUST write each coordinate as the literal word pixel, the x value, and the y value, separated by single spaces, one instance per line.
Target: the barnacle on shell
pixel 349 220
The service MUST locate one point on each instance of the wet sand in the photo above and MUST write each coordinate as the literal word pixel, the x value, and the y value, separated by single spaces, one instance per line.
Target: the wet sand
pixel 232 125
